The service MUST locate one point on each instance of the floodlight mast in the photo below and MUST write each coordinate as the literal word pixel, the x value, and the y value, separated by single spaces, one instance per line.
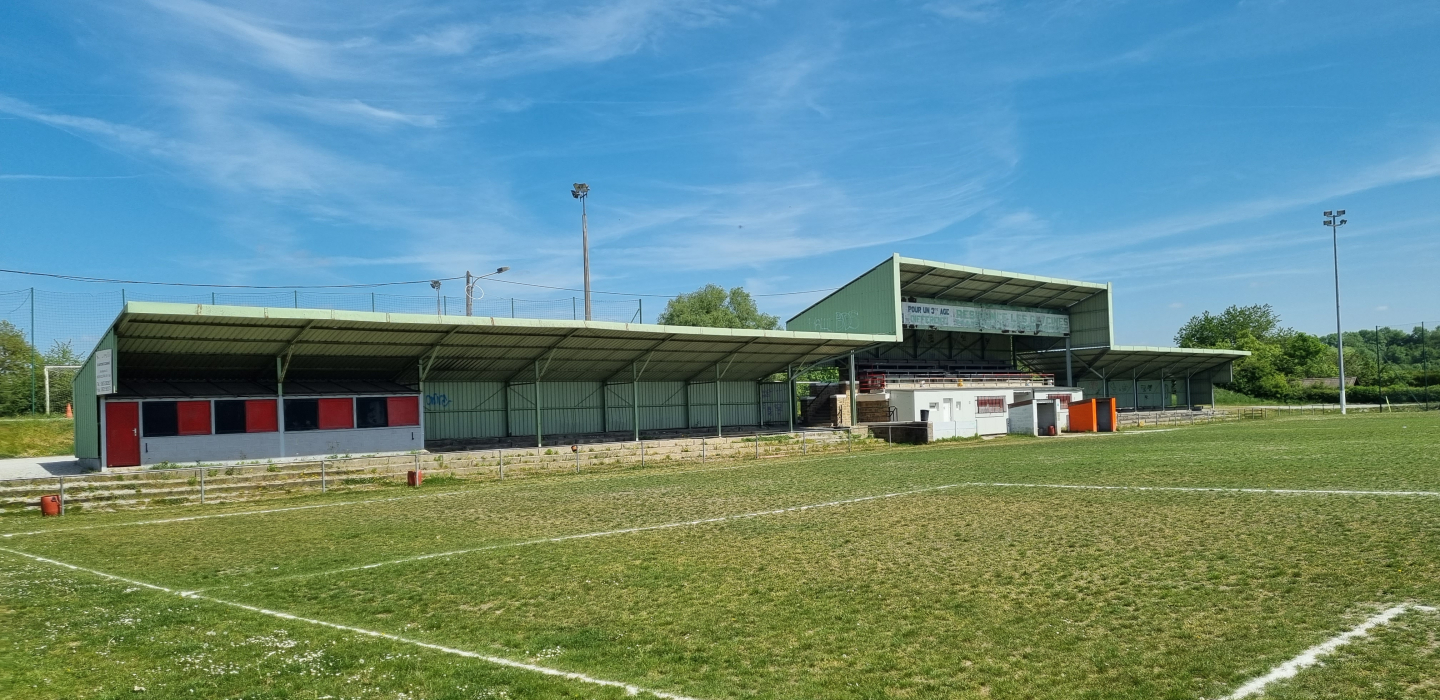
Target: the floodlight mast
pixel 581 191
pixel 470 281
pixel 1333 220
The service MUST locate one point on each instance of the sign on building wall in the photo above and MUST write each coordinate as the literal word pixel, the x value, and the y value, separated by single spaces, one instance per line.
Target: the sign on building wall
pixel 104 372
pixel 983 319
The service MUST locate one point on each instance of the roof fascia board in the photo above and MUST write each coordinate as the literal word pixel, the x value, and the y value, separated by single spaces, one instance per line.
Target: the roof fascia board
pixel 183 312
pixel 999 273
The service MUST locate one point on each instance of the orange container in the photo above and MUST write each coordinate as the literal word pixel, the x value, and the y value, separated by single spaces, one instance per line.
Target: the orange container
pixel 50 505
pixel 1083 416
pixel 1093 415
pixel 413 478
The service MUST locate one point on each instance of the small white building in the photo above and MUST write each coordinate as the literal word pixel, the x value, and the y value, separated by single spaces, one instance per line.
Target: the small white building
pixel 966 408
pixel 1036 417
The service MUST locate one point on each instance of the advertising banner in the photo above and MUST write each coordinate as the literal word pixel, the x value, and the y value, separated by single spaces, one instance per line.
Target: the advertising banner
pixel 981 319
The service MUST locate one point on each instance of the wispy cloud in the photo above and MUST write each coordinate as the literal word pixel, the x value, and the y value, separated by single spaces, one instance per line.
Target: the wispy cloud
pixel 298 55
pixel 966 10
pixel 29 176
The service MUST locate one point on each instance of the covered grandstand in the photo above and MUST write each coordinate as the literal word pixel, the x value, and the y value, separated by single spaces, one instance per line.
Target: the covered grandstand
pixel 181 383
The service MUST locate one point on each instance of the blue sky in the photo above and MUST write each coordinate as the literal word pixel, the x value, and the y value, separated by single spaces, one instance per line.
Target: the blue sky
pixel 1182 150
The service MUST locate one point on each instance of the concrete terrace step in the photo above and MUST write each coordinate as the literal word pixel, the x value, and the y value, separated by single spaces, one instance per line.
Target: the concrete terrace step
pixel 137 488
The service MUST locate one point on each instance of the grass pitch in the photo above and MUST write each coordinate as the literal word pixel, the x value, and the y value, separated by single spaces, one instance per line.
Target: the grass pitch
pixel 949 585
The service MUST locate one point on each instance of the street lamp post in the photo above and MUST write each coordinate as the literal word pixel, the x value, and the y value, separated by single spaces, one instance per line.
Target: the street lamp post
pixel 470 288
pixel 1333 220
pixel 580 192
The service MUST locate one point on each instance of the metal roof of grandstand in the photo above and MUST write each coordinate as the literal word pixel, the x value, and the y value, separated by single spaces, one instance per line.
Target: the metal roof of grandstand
pixel 181 341
pixel 927 279
pixel 1124 362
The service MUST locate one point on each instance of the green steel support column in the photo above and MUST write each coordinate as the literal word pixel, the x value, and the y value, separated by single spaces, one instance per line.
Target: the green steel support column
pixel 718 431
pixel 635 399
pixel 687 404
pixel 759 405
pixel 1069 369
pixel 790 396
pixel 505 406
pixel 604 406
pixel 280 401
pixel 1135 386
pixel 854 388
pixel 539 428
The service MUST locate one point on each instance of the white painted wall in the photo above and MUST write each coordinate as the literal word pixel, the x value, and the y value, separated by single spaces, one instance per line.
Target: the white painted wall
pixel 909 402
pixel 188 449
pixel 1035 417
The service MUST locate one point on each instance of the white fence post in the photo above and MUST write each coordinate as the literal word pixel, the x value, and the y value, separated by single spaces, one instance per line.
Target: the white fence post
pixel 202 486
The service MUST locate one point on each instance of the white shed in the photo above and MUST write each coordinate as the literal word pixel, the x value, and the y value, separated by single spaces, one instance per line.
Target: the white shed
pixel 1035 417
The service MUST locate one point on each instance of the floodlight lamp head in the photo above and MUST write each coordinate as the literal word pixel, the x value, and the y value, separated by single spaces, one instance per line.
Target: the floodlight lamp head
pixel 1344 221
pixel 502 269
pixel 1329 213
pixel 1340 213
pixel 1328 222
pixel 434 284
pixel 581 189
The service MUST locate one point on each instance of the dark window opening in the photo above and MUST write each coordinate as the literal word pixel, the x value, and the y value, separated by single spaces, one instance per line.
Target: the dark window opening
pixel 370 412
pixel 302 414
pixel 229 417
pixel 159 418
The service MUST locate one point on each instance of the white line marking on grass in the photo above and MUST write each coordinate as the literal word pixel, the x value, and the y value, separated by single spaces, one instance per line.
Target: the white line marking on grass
pixel 497 660
pixel 1311 656
pixel 828 504
pixel 231 514
pixel 360 502
pixel 607 533
pixel 1211 489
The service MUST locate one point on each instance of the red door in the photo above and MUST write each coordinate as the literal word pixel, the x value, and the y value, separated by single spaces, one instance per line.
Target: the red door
pixel 122 434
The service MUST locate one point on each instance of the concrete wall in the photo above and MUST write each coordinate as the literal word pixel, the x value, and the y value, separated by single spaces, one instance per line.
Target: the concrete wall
pixel 188 449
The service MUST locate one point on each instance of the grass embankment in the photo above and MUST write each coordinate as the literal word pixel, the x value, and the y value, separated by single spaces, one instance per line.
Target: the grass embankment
pixel 1225 397
pixel 968 591
pixel 36 437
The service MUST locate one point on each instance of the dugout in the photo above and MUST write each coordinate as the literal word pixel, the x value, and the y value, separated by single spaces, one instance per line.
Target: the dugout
pixel 1093 416
pixel 1037 417
pixel 182 383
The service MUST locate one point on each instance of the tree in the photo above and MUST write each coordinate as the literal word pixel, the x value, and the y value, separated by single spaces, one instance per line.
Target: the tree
pixel 712 306
pixel 1228 329
pixel 1279 356
pixel 16 360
